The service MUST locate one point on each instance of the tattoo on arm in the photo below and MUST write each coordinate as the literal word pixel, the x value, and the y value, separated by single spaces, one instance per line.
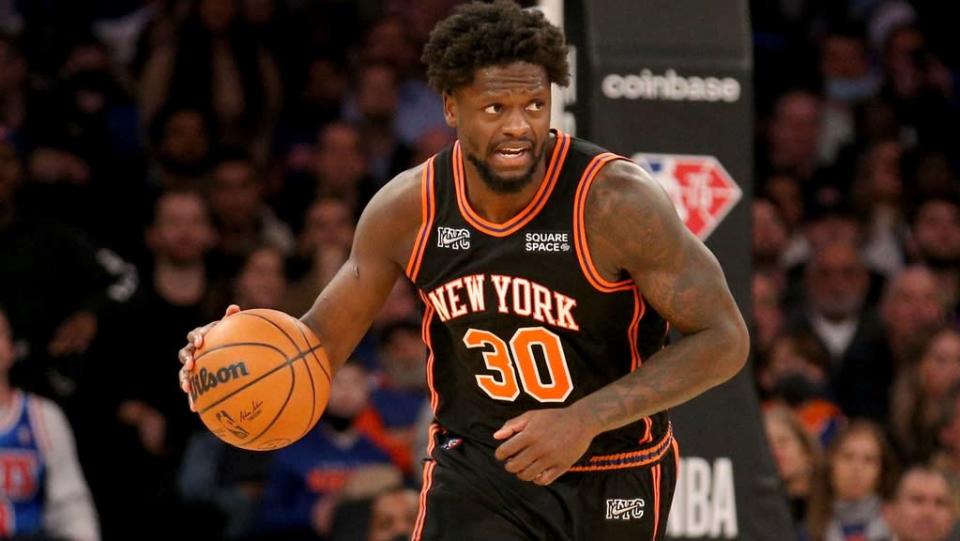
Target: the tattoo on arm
pixel 633 230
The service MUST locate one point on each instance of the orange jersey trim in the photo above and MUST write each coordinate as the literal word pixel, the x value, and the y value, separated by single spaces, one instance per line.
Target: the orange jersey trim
pixel 428 210
pixel 427 482
pixel 580 231
pixel 632 459
pixel 647 431
pixel 656 501
pixel 428 313
pixel 676 454
pixel 560 149
pixel 639 310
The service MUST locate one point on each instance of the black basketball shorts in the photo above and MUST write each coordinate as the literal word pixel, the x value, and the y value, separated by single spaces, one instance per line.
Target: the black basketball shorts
pixel 468 496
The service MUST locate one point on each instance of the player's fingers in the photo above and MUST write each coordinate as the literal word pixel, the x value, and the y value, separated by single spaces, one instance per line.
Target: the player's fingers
pixel 232 309
pixel 511 427
pixel 186 357
pixel 184 378
pixel 522 462
pixel 511 447
pixel 195 337
pixel 530 472
pixel 546 477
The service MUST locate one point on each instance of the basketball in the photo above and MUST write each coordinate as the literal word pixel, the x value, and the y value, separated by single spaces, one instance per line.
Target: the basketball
pixel 261 380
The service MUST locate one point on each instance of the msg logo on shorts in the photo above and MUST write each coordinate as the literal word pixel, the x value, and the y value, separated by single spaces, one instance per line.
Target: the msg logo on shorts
pixel 619 509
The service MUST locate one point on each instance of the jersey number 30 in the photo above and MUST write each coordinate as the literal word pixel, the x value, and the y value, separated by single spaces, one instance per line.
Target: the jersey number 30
pixel 502 358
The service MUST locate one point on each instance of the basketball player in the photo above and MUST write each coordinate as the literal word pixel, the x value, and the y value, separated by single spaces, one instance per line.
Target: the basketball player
pixel 551 271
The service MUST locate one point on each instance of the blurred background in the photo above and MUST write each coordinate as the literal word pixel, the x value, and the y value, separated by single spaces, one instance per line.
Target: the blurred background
pixel 160 159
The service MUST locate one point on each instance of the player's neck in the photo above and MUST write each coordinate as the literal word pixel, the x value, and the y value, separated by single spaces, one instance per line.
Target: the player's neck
pixel 500 207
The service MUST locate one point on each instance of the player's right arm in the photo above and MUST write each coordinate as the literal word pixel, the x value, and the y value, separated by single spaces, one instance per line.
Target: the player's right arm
pixel 346 307
pixel 385 235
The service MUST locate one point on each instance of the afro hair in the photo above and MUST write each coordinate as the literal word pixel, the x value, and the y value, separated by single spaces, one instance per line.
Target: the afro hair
pixel 478 35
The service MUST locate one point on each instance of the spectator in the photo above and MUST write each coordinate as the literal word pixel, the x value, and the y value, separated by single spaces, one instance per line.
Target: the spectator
pixel 797 457
pixel 923 507
pixel 909 305
pixel 216 66
pixel 920 88
pixel 390 516
pixel 154 419
pixel 317 103
pixel 920 391
pixel 837 282
pixel 795 374
pixel 912 303
pixel 793 135
pixel 322 247
pixel 393 515
pixel 216 479
pixel 419 109
pixel 261 282
pixel 56 320
pixel 305 479
pixel 770 238
pixel 401 389
pixel 847 498
pixel 181 148
pixel 878 195
pixel 243 220
pixel 336 169
pixel 44 490
pixel 768 317
pixel 936 243
pixel 376 94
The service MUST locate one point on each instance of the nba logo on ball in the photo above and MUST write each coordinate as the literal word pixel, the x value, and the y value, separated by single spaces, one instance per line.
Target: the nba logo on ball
pixel 261 380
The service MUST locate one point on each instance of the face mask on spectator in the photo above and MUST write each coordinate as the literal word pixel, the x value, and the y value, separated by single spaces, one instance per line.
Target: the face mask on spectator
pixel 850 90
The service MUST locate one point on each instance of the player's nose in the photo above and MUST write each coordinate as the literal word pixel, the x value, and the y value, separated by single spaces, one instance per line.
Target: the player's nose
pixel 515 123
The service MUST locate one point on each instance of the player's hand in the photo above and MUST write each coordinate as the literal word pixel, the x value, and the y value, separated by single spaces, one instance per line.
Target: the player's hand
pixel 74 334
pixel 541 445
pixel 194 342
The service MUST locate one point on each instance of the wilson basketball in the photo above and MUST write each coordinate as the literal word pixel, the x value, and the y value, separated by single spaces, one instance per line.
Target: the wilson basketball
pixel 261 380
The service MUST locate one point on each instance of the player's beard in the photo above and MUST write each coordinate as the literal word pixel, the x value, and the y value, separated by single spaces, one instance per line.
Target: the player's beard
pixel 498 184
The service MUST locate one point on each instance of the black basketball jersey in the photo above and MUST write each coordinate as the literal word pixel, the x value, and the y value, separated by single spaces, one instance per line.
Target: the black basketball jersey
pixel 517 317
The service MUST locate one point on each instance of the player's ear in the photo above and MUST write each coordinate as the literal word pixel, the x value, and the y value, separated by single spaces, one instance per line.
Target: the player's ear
pixel 449 109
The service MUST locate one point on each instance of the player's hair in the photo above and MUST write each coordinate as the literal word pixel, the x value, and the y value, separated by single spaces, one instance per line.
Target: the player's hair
pixel 479 35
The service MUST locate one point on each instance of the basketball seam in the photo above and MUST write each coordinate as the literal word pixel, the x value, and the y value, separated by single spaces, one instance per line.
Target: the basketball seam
pixel 293 379
pixel 261 376
pixel 313 389
pixel 293 383
pixel 236 344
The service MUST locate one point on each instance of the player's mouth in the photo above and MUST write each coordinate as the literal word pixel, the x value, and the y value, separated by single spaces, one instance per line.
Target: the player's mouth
pixel 513 155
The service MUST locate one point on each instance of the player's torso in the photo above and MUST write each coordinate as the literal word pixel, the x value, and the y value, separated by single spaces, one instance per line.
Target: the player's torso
pixel 512 320
pixel 22 469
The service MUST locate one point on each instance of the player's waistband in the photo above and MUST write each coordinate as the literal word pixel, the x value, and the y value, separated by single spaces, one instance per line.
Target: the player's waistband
pixel 631 459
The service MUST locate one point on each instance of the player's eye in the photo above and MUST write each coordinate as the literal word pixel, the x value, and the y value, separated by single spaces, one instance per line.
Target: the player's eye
pixel 493 109
pixel 536 106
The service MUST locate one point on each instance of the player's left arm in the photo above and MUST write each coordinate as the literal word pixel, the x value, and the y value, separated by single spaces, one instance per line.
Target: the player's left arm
pixel 632 228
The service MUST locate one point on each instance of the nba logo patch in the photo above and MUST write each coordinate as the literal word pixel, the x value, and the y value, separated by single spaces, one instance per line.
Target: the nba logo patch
pixel 451 444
